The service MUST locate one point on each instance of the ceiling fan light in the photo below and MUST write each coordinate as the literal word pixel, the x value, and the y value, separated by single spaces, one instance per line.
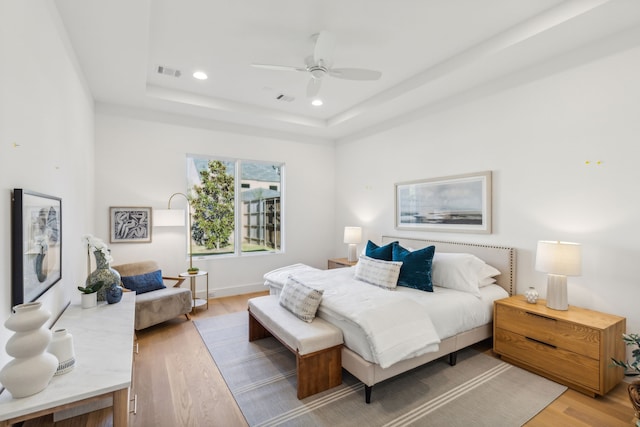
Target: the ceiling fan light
pixel 317 72
pixel 317 102
pixel 200 75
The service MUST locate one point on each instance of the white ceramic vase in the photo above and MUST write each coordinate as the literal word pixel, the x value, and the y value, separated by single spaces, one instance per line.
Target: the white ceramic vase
pixel 89 300
pixel 531 295
pixel 61 346
pixel 32 367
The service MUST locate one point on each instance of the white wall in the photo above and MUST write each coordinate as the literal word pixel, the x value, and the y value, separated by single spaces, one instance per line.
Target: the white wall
pixel 47 112
pixel 141 161
pixel 536 138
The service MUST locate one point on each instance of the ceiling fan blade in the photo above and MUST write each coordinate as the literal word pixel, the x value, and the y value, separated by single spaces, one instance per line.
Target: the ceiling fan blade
pixel 323 51
pixel 355 74
pixel 278 67
pixel 313 87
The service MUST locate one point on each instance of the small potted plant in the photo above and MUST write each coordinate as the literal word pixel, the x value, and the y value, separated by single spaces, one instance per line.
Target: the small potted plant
pixel 89 296
pixel 193 270
pixel 632 369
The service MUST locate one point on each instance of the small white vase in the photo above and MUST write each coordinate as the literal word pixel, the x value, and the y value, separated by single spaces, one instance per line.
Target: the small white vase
pixel 61 346
pixel 531 295
pixel 89 300
pixel 32 368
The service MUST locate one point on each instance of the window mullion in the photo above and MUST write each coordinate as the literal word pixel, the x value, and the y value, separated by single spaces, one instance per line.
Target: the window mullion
pixel 238 207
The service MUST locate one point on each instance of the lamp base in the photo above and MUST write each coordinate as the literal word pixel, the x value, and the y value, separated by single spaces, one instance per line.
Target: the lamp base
pixel 353 256
pixel 557 292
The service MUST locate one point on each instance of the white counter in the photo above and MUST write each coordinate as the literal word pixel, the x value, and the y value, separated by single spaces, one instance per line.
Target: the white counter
pixel 103 344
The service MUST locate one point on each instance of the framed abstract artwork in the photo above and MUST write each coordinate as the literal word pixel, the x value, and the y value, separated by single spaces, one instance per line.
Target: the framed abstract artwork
pixel 36 244
pixel 130 224
pixel 460 203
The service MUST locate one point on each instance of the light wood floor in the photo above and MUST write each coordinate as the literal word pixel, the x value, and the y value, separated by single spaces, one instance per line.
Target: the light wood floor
pixel 178 384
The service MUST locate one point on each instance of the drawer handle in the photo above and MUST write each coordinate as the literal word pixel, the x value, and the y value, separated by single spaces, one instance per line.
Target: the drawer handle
pixel 540 315
pixel 541 342
pixel 134 411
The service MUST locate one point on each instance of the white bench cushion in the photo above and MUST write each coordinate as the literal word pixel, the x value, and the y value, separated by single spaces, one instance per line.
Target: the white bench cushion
pixel 304 337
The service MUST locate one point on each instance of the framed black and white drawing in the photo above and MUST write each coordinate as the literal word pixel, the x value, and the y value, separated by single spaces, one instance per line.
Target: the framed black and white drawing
pixel 130 224
pixel 36 244
pixel 460 203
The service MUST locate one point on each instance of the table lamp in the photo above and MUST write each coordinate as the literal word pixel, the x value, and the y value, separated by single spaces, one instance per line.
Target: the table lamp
pixel 558 260
pixel 352 236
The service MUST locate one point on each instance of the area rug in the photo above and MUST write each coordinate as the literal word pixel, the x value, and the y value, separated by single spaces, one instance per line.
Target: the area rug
pixel 479 390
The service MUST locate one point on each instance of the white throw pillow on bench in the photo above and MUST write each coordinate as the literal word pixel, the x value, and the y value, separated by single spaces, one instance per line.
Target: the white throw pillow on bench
pixel 300 299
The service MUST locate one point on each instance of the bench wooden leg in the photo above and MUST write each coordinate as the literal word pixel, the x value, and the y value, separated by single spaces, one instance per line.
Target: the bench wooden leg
pixel 316 372
pixel 319 371
pixel 256 330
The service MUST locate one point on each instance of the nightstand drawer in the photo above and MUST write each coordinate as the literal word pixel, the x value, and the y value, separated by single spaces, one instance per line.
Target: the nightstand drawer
pixel 573 347
pixel 569 336
pixel 556 361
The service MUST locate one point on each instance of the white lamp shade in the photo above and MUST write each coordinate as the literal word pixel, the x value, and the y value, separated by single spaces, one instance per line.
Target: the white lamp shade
pixel 352 235
pixel 562 258
pixel 168 218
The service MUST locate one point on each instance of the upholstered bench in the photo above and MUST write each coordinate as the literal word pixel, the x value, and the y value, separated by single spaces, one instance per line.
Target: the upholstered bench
pixel 317 345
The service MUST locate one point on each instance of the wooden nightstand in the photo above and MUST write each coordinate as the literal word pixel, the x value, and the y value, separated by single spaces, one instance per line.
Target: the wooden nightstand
pixel 572 347
pixel 340 263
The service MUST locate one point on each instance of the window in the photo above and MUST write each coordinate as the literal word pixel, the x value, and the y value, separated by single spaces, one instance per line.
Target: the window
pixel 226 210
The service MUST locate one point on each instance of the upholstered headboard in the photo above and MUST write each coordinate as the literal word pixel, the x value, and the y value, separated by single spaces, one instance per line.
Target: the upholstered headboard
pixel 501 257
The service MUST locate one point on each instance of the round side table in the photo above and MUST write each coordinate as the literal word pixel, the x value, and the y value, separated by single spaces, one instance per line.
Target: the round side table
pixel 197 302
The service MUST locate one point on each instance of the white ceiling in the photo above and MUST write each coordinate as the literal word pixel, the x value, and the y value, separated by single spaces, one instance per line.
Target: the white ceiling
pixel 428 51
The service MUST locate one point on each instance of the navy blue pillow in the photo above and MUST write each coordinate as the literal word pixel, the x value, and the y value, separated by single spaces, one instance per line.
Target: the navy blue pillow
pixel 416 267
pixel 384 253
pixel 144 282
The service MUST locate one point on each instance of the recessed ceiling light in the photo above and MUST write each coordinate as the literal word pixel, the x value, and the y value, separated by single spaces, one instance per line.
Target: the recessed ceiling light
pixel 316 102
pixel 200 75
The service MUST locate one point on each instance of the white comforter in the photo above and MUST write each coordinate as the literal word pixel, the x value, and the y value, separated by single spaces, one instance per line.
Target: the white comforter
pixel 396 327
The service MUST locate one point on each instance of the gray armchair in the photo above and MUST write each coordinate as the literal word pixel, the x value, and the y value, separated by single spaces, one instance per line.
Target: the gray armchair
pixel 158 305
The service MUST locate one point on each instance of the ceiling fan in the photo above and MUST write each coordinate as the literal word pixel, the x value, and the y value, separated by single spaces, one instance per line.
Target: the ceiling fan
pixel 320 64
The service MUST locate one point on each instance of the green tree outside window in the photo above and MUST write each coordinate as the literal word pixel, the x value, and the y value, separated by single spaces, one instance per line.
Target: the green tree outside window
pixel 213 205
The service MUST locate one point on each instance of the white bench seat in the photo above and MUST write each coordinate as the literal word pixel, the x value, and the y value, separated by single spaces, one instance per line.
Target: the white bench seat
pixel 317 345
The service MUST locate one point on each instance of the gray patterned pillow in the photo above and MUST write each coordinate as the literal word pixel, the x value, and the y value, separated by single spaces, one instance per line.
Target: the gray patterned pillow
pixel 300 299
pixel 377 272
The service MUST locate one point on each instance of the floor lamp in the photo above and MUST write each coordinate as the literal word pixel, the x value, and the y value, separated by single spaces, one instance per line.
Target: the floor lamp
pixel 175 218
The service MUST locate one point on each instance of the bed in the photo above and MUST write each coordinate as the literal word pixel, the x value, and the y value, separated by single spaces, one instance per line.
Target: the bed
pixel 455 331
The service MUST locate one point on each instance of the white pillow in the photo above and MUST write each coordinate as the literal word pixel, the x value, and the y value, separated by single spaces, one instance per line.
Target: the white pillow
pixel 486 274
pixel 486 282
pixel 378 272
pixel 300 299
pixel 461 271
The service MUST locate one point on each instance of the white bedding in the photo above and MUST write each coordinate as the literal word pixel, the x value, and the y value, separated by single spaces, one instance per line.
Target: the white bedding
pixel 451 312
pixel 406 322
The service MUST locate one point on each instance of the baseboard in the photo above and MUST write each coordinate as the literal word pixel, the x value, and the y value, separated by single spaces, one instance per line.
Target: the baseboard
pixel 237 290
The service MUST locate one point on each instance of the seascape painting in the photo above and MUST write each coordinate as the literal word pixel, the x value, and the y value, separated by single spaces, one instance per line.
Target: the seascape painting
pixel 459 203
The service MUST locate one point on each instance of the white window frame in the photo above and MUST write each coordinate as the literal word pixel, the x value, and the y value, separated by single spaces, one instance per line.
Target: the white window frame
pixel 238 226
